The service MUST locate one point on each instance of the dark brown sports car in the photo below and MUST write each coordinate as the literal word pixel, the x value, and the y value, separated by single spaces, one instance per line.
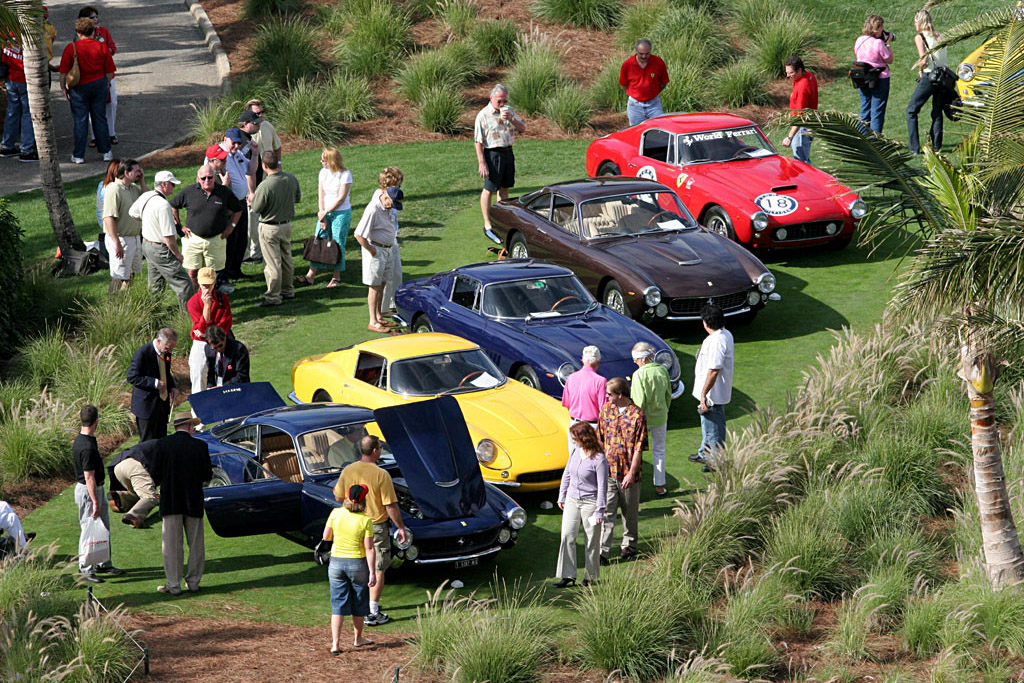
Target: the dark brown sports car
pixel 636 247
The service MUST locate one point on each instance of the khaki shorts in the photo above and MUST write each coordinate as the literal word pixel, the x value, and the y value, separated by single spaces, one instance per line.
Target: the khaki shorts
pixel 200 252
pixel 377 269
pixel 131 263
pixel 382 544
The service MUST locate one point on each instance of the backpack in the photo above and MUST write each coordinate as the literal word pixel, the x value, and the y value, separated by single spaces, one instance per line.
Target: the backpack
pixel 864 76
pixel 74 262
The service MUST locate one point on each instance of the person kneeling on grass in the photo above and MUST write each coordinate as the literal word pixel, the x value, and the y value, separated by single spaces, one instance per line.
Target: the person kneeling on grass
pixel 352 571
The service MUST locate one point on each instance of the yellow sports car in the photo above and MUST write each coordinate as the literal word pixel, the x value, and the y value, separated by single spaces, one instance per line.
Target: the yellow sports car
pixel 978 67
pixel 519 432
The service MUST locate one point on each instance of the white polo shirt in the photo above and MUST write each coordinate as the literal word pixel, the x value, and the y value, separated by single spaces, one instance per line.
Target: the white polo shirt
pixel 153 209
pixel 716 353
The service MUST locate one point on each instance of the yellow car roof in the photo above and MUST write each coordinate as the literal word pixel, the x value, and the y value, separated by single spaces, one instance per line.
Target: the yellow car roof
pixel 408 345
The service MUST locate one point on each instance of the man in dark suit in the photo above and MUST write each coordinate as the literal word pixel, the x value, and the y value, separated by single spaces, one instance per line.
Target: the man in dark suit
pixel 153 388
pixel 227 360
pixel 183 466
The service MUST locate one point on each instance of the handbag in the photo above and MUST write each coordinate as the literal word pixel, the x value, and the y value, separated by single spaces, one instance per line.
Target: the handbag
pixel 74 74
pixel 322 552
pixel 864 76
pixel 321 250
pixel 942 78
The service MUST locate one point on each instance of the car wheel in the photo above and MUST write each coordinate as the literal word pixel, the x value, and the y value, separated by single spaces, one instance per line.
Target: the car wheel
pixel 219 478
pixel 321 396
pixel 527 376
pixel 517 247
pixel 614 299
pixel 422 324
pixel 608 168
pixel 717 220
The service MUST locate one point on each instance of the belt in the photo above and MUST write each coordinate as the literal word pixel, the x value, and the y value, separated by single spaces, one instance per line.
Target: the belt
pixel 274 222
pixel 152 242
pixel 499 149
pixel 574 420
pixel 381 246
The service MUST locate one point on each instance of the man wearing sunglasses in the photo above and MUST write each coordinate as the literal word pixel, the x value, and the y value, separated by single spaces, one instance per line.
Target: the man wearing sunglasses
pixel 266 138
pixel 212 213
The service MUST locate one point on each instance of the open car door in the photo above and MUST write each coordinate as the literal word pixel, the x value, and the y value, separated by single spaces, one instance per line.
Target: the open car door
pixel 260 504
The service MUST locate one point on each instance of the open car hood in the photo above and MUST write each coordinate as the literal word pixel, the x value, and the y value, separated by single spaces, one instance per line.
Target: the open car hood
pixel 236 400
pixel 430 442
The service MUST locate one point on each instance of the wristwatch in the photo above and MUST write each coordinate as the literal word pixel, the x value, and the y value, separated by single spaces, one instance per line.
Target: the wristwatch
pixel 233 225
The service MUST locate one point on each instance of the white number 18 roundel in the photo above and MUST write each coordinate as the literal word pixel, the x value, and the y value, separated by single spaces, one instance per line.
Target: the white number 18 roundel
pixel 776 204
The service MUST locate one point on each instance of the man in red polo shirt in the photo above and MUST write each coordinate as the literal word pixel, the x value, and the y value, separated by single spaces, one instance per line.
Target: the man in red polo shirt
pixel 804 96
pixel 643 76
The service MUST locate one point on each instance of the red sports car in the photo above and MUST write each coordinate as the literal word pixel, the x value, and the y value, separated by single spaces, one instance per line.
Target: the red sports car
pixel 731 178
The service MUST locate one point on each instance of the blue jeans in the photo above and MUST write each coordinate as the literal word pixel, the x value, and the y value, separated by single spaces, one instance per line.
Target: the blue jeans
pixel 638 111
pixel 90 99
pixel 350 593
pixel 922 92
pixel 801 144
pixel 19 119
pixel 872 105
pixel 712 431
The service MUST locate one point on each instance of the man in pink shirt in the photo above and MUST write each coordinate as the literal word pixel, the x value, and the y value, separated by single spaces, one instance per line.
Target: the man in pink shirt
pixel 584 391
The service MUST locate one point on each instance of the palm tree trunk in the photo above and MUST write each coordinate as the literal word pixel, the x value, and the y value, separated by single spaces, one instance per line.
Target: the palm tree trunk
pixel 1004 561
pixel 36 68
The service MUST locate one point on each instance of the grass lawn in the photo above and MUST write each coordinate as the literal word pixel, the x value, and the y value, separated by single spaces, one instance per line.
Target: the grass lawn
pixel 269 578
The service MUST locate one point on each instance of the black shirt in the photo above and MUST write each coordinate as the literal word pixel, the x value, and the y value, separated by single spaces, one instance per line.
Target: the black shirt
pixel 207 214
pixel 87 457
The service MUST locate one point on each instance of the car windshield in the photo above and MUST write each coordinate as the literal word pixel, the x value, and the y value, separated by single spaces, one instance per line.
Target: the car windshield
pixel 631 214
pixel 723 145
pixel 445 373
pixel 332 448
pixel 537 298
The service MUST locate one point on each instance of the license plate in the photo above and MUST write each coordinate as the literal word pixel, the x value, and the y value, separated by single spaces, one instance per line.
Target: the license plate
pixel 471 562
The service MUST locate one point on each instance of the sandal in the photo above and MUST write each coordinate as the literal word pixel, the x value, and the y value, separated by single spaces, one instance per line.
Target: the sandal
pixel 378 328
pixel 389 323
pixel 303 279
pixel 332 284
pixel 335 652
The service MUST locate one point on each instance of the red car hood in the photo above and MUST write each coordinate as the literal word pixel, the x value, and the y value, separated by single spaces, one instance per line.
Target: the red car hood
pixel 754 177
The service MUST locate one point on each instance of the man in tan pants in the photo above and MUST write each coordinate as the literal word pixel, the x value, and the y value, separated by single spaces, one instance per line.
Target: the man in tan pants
pixel 275 202
pixel 133 470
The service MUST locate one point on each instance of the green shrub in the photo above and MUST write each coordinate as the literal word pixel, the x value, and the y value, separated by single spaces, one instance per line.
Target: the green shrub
pixel 496 42
pixel 286 51
pixel 605 92
pixel 808 551
pixel 210 120
pixel 376 41
pixel 641 20
pixel 748 16
pixel 12 281
pixel 34 439
pixel 781 34
pixel 93 376
pixel 738 84
pixel 42 357
pixel 351 97
pixel 439 109
pixel 601 14
pixel 909 466
pixel 17 391
pixel 106 653
pixel 308 111
pixel 751 615
pixel 535 74
pixel 569 108
pixel 457 17
pixel 432 70
pixel 334 18
pixel 126 322
pixel 257 10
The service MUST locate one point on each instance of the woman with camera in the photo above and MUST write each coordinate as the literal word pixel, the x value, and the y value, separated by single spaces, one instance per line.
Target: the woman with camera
pixel 875 48
pixel 929 67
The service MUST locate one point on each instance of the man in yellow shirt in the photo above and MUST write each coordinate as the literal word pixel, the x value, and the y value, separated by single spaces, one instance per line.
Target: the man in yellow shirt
pixel 381 503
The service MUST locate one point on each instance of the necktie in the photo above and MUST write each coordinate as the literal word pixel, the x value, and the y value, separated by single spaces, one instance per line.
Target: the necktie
pixel 220 364
pixel 163 377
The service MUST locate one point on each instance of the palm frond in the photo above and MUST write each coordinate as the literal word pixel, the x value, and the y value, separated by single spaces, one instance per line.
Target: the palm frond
pixel 951 190
pixel 877 166
pixel 20 17
pixel 1004 333
pixel 984 25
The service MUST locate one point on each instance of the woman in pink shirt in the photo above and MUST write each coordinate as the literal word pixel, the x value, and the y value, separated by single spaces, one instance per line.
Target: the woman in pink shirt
pixel 874 48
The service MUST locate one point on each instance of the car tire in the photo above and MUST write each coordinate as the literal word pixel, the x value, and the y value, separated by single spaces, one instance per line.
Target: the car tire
pixel 219 478
pixel 321 396
pixel 421 324
pixel 717 221
pixel 613 298
pixel 527 376
pixel 608 168
pixel 517 247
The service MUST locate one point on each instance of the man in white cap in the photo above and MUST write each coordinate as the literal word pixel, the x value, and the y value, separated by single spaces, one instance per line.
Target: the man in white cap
pixel 651 390
pixel 160 238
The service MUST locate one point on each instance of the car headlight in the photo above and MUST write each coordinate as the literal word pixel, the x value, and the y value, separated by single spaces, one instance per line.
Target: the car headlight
pixel 965 72
pixel 759 220
pixel 766 283
pixel 504 536
pixel 486 451
pixel 564 371
pixel 858 209
pixel 412 552
pixel 405 545
pixel 517 517
pixel 652 296
pixel 668 359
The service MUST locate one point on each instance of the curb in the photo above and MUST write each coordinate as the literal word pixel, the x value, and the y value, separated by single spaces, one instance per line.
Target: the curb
pixel 220 57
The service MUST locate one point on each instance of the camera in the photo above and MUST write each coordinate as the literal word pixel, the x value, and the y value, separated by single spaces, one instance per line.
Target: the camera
pixel 888 37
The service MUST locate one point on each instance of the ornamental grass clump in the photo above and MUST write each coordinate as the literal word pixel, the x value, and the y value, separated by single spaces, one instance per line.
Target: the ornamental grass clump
pixel 605 91
pixel 93 376
pixel 307 111
pixel 600 14
pixel 456 16
pixel 351 97
pixel 212 118
pixel 569 108
pixel 41 358
pixel 780 35
pixel 439 109
pixel 34 439
pixel 99 647
pixel 286 51
pixel 738 84
pixel 257 10
pixel 536 73
pixel 126 321
pixel 808 551
pixel 376 40
pixel 433 69
pixel 496 42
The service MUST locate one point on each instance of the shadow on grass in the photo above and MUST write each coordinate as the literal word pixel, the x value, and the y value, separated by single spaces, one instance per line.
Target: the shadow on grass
pixel 893 247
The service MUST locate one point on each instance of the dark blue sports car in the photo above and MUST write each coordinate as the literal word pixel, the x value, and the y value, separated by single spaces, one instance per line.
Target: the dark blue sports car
pixel 532 318
pixel 275 470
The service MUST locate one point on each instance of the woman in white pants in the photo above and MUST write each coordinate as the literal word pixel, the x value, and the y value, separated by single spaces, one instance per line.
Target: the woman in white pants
pixel 582 497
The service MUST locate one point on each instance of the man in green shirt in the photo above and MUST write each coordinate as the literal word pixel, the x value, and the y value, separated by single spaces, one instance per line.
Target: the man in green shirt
pixel 123 231
pixel 275 201
pixel 652 390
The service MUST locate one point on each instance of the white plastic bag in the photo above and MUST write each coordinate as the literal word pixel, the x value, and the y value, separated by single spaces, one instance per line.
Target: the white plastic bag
pixel 94 546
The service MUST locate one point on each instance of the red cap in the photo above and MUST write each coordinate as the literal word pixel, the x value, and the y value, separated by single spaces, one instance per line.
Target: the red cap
pixel 216 152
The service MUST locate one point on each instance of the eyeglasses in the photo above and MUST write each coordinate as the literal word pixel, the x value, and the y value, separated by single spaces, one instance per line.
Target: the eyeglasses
pixel 206 177
pixel 501 101
pixel 257 113
pixel 95 16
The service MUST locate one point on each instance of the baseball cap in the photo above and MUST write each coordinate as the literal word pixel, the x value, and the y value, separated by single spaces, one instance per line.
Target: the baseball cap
pixel 207 276
pixel 235 135
pixel 216 152
pixel 165 177
pixel 357 493
pixel 396 195
pixel 248 117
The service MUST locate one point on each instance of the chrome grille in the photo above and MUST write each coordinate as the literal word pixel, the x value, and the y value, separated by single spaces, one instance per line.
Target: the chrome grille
pixel 693 306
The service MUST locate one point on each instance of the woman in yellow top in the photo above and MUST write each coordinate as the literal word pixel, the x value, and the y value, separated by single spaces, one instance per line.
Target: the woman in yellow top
pixel 352 568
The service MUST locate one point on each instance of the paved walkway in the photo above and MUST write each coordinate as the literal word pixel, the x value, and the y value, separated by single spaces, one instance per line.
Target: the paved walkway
pixel 163 64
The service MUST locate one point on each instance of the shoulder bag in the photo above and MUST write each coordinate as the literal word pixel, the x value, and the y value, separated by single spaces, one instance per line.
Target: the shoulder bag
pixel 864 76
pixel 321 249
pixel 74 75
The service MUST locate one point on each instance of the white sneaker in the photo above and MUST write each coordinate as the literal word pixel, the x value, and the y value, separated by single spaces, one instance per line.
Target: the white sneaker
pixel 109 156
pixel 77 160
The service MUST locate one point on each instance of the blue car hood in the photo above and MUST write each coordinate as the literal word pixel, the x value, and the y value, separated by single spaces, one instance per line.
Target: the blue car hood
pixel 572 333
pixel 236 400
pixel 431 444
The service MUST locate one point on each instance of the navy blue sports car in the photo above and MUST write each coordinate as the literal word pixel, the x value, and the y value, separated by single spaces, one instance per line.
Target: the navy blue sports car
pixel 275 467
pixel 532 318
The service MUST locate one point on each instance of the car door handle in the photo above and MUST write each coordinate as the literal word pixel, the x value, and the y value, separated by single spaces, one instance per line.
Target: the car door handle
pixel 631 165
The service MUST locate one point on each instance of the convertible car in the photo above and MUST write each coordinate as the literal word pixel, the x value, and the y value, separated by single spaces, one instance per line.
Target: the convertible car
pixel 520 434
pixel 729 176
pixel 532 317
pixel 635 247
pixel 275 470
